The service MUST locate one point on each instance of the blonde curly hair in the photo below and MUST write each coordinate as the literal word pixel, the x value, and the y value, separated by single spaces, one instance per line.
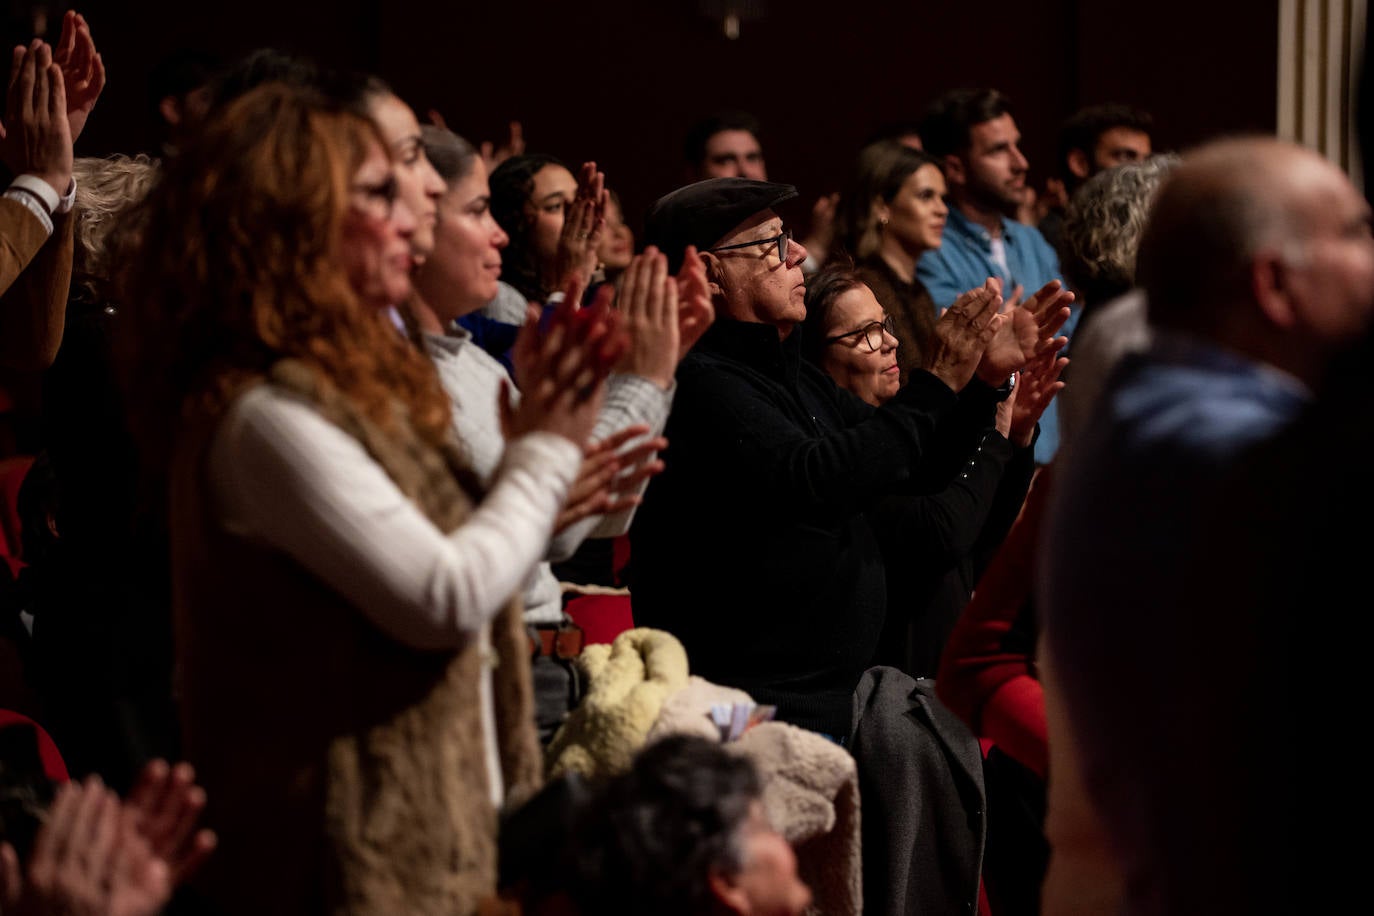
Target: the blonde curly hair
pixel 106 189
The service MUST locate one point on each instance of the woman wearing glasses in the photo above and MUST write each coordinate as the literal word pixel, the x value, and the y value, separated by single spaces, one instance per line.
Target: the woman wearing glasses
pixel 893 212
pixel 963 508
pixel 353 671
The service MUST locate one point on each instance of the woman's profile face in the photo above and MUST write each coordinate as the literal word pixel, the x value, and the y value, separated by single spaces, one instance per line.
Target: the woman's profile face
pixel 466 262
pixel 377 232
pixel 550 196
pixel 916 216
pixel 420 185
pixel 871 374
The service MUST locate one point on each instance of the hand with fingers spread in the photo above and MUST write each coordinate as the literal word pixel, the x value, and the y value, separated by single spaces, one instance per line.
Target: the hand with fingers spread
pixel 166 805
pixel 647 300
pixel 83 70
pixel 694 309
pixel 1036 386
pixel 963 333
pixel 609 479
pixel 37 138
pixel 1029 331
pixel 582 226
pixel 562 367
pixel 87 860
pixel 493 155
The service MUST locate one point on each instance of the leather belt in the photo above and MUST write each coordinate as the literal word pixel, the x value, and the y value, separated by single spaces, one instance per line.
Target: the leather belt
pixel 556 640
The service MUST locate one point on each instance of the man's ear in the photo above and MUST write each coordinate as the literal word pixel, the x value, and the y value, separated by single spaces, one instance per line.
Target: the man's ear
pixel 713 274
pixel 1078 164
pixel 1272 282
pixel 955 173
pixel 728 892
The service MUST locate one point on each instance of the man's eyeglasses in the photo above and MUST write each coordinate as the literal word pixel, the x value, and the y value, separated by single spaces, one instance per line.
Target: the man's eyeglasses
pixel 376 200
pixel 872 332
pixel 781 240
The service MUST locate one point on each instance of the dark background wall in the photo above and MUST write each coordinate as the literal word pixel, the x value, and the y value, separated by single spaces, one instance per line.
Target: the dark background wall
pixel 618 80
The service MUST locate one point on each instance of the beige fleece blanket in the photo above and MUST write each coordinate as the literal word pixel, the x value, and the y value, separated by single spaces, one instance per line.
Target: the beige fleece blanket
pixel 638 691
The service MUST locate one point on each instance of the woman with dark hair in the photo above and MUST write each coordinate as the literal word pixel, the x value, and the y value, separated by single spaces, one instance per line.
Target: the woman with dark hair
pixel 958 514
pixel 353 669
pixel 554 221
pixel 893 212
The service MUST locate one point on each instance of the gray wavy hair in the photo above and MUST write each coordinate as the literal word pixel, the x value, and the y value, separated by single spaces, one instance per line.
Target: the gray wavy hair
pixel 1103 225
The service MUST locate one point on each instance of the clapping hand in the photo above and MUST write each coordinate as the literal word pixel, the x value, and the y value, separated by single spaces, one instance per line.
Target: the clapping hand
pixel 37 139
pixel 1029 331
pixel 561 364
pixel 962 334
pixel 609 480
pixel 694 309
pixel 83 71
pixel 1036 387
pixel 582 227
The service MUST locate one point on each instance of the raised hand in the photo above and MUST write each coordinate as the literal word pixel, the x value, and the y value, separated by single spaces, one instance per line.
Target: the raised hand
pixel 37 140
pixel 1030 330
pixel 83 71
pixel 1036 386
pixel 166 805
pixel 562 366
pixel 608 481
pixel 647 300
pixel 694 309
pixel 493 155
pixel 963 333
pixel 87 860
pixel 582 226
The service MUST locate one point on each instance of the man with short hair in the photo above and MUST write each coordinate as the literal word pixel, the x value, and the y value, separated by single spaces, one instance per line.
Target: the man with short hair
pixel 1093 140
pixel 974 136
pixel 1258 266
pixel 725 145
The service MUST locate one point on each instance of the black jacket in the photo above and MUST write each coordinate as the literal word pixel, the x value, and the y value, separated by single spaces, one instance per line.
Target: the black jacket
pixel 753 547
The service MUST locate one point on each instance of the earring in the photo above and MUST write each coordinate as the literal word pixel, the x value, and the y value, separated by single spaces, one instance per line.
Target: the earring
pixel 882 221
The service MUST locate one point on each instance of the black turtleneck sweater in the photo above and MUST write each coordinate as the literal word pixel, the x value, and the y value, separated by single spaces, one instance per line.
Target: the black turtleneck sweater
pixel 752 547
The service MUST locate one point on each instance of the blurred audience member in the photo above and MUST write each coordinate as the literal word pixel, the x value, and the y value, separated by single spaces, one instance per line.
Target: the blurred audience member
pixel 1094 139
pixel 973 134
pixel 1258 266
pixel 892 213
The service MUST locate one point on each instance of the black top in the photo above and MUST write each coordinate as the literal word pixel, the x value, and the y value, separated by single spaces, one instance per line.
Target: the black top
pixel 752 547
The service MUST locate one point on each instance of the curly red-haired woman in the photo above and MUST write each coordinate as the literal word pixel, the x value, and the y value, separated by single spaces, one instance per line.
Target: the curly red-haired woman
pixel 353 673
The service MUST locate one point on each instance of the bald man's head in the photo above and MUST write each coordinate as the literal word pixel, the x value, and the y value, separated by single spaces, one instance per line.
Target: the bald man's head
pixel 1249 221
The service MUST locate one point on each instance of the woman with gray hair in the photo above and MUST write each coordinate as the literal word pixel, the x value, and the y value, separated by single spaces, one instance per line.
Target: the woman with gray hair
pixel 1102 229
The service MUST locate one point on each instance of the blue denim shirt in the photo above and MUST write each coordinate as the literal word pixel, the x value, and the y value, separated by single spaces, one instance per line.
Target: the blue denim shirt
pixel 964 261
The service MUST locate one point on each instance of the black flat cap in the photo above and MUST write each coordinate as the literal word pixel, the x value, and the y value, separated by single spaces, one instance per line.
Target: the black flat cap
pixel 700 214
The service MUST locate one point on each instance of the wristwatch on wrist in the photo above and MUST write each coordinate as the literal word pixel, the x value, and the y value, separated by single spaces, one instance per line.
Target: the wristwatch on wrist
pixel 1006 388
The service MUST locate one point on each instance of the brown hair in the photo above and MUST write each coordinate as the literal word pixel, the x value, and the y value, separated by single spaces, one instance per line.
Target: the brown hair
pixel 236 266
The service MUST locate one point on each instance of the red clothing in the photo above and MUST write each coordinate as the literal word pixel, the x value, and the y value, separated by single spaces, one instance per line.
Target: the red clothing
pixel 987 671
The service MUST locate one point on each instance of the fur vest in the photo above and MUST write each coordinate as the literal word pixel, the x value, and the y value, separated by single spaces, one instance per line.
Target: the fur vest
pixel 345 772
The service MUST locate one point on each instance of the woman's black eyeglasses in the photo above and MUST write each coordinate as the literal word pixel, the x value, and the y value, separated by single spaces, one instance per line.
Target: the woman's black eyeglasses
pixel 872 332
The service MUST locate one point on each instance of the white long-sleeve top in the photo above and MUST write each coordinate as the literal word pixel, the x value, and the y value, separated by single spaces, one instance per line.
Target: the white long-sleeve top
pixel 282 475
pixel 472 379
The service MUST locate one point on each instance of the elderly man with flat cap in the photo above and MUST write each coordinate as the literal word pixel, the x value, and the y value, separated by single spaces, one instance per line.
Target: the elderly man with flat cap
pixel 753 546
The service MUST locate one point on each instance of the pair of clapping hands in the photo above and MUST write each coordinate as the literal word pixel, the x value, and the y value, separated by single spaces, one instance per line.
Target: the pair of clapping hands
pixel 982 334
pixel 643 326
pixel 98 855
pixel 51 94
